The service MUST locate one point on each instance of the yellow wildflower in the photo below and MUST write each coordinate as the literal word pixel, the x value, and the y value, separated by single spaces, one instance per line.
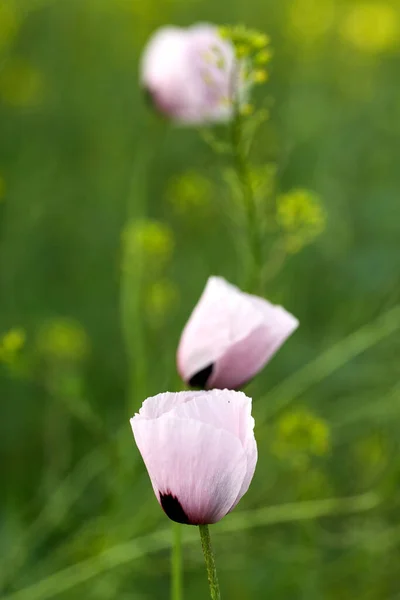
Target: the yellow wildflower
pixel 11 343
pixel 301 218
pixel 190 193
pixel 148 240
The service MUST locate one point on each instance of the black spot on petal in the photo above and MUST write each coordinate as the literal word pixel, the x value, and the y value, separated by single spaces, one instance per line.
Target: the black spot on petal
pixel 200 379
pixel 173 509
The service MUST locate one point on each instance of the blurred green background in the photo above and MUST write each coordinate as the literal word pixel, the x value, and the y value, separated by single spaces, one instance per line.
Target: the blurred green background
pixel 111 220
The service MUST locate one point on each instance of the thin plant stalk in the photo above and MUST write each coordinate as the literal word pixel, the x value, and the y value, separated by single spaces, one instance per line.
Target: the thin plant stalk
pixel 176 563
pixel 131 289
pixel 210 562
pixel 131 284
pixel 243 172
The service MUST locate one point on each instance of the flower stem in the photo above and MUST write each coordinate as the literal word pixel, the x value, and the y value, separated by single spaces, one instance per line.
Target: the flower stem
pixel 176 563
pixel 244 177
pixel 210 562
pixel 131 286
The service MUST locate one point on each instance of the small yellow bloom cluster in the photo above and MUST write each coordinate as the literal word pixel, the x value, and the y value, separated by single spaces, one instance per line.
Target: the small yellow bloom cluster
pixel 62 339
pixel 301 218
pixel 148 240
pixel 253 49
pixel 11 343
pixel 299 436
pixel 190 194
pixel 245 40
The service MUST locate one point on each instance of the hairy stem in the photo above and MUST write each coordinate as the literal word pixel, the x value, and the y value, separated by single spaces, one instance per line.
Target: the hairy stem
pixel 210 562
pixel 176 563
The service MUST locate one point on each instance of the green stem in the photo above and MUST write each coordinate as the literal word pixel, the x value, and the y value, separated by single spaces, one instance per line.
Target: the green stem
pixel 131 287
pixel 244 176
pixel 176 563
pixel 210 562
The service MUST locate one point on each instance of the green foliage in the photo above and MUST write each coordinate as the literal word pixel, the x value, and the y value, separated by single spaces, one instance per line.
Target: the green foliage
pixel 147 241
pixel 110 223
pixel 300 435
pixel 62 340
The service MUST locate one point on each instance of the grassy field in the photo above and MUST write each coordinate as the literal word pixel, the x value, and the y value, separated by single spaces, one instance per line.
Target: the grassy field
pixel 111 221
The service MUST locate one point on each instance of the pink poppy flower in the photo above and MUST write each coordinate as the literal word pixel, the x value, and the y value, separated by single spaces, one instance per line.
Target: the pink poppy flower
pixel 199 450
pixel 230 336
pixel 189 74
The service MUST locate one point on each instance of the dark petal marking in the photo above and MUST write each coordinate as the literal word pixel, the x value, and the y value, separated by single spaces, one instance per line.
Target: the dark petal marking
pixel 173 509
pixel 200 379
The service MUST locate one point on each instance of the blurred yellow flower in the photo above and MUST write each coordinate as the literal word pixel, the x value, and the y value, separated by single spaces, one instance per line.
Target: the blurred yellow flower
pixel 244 37
pixel 371 27
pixel 259 39
pixel 263 57
pixel 161 298
pixel 247 109
pixel 260 76
pixel 148 240
pixel 310 20
pixel 299 434
pixel 301 217
pixel 9 22
pixel 190 194
pixel 21 84
pixel 11 343
pixel 62 339
pixel 242 51
pixel 252 46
